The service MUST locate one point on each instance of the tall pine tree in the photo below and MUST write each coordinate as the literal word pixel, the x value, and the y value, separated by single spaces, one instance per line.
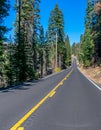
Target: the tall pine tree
pixel 87 41
pixel 97 30
pixel 36 27
pixel 4 8
pixel 42 41
pixel 68 51
pixel 24 33
pixel 56 27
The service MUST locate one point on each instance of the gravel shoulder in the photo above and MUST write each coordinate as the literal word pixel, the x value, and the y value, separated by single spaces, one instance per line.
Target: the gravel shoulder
pixel 93 73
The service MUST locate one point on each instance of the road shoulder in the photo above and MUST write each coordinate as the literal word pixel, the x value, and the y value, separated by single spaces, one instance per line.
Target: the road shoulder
pixel 95 82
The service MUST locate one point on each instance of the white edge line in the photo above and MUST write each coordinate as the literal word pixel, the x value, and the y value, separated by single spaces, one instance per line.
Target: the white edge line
pixel 91 81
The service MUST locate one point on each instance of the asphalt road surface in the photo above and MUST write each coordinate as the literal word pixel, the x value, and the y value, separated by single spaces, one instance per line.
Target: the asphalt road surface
pixel 64 101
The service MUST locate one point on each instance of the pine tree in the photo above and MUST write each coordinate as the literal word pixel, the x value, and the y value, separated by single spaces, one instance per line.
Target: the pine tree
pixel 74 49
pixel 68 51
pixel 9 66
pixel 42 49
pixel 47 53
pixel 56 26
pixel 36 27
pixel 88 42
pixel 97 31
pixel 24 33
pixel 4 8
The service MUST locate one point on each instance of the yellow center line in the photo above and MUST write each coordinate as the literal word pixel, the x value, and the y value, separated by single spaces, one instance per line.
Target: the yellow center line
pixel 20 128
pixel 61 83
pixel 52 94
pixel 65 78
pixel 27 115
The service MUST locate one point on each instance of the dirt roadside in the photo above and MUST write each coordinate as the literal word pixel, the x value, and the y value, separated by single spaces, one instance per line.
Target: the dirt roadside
pixel 93 73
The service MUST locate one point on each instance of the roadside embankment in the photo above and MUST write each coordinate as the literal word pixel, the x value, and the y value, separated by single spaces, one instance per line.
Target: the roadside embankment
pixel 94 73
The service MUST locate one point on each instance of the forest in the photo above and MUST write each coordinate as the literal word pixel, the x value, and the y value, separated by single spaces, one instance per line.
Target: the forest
pixel 35 53
pixel 88 50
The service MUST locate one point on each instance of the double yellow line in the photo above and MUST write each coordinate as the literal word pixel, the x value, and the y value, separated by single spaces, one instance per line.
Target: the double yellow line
pixel 27 115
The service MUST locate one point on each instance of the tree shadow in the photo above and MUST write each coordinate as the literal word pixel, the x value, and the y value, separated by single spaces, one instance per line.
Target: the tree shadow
pixel 21 86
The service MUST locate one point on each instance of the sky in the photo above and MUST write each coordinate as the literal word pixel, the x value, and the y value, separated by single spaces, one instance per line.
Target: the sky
pixel 73 11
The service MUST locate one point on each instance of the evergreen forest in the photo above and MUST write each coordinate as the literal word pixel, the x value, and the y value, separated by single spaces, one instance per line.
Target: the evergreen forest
pixel 35 52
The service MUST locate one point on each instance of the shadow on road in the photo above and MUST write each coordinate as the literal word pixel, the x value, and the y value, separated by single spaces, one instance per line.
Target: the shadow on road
pixel 22 86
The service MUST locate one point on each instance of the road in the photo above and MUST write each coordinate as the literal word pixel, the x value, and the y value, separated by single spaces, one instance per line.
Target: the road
pixel 64 101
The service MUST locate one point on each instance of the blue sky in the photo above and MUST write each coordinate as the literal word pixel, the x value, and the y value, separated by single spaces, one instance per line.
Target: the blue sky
pixel 73 10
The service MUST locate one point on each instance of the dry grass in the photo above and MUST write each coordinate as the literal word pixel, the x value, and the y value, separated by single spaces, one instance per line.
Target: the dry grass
pixel 93 73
